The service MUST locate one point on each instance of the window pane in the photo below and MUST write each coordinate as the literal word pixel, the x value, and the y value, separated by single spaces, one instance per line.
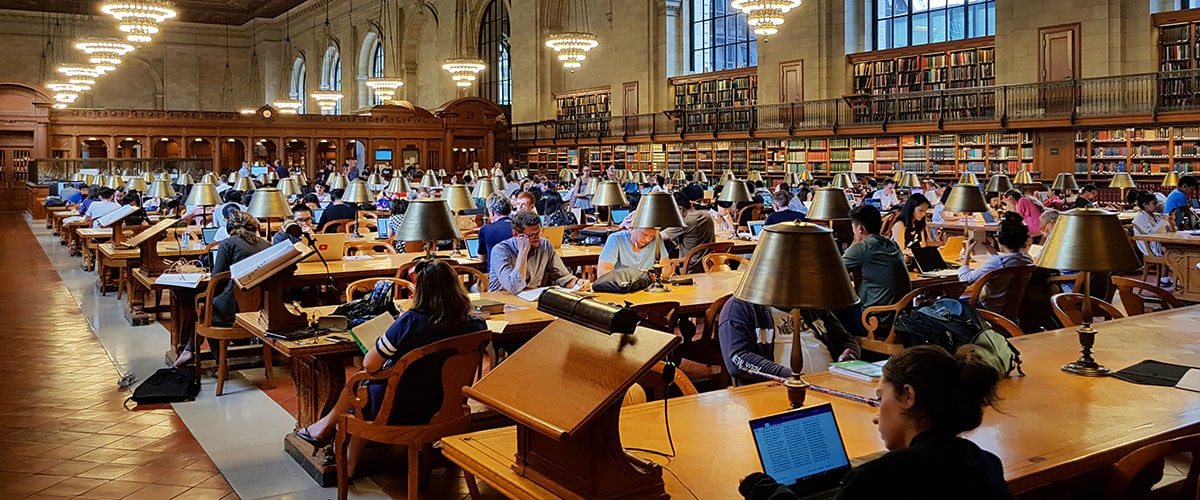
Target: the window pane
pixel 991 15
pixel 957 26
pixel 937 4
pixel 883 39
pixel 978 20
pixel 884 8
pixel 900 32
pixel 937 26
pixel 920 5
pixel 900 7
pixel 920 29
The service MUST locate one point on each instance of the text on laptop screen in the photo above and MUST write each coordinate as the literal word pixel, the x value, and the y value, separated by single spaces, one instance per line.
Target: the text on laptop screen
pixel 799 444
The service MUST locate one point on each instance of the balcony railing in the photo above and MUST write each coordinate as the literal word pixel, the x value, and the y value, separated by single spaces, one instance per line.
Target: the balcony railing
pixel 1143 94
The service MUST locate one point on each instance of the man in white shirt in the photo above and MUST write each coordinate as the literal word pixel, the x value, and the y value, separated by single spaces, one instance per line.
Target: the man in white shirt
pixel 101 207
pixel 887 196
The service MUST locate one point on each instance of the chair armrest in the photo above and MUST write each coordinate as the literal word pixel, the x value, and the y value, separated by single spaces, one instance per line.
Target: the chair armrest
pixel 870 319
pixel 973 291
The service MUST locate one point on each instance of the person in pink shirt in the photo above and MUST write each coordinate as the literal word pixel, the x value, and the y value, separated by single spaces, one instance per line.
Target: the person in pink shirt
pixel 1030 210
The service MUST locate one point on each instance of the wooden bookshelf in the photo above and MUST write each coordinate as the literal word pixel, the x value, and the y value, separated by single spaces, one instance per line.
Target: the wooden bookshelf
pixel 1177 51
pixel 953 65
pixel 725 99
pixel 584 113
pixel 1140 151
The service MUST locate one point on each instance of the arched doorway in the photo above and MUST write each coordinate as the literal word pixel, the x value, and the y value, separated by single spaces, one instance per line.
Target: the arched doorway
pixel 326 150
pixel 200 149
pixel 233 153
pixel 265 152
pixel 26 110
pixel 296 155
pixel 93 147
pixel 166 147
pixel 129 148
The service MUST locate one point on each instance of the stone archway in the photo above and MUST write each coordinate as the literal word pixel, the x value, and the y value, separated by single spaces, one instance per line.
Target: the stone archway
pixel 24 118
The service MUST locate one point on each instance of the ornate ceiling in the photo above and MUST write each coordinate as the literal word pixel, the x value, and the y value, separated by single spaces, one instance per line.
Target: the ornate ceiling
pixel 232 12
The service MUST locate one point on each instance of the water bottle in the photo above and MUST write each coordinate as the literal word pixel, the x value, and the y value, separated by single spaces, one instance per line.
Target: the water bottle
pixel 186 240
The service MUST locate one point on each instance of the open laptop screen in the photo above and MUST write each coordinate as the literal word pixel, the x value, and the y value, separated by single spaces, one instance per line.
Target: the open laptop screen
pixel 800 446
pixel 473 247
pixel 756 228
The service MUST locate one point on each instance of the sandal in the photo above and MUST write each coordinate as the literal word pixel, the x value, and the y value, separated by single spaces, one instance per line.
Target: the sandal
pixel 303 434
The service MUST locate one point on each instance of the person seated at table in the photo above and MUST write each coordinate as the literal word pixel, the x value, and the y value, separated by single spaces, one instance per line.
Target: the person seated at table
pixel 102 206
pixel 397 209
pixel 632 248
pixel 1013 236
pixel 782 202
pixel 887 195
pixel 557 214
pixel 440 310
pixel 1028 207
pixel 910 230
pixel 300 223
pixel 337 210
pixel 927 398
pixel 522 201
pixel 233 198
pixel 1087 196
pixel 878 262
pixel 93 195
pixel 138 217
pixel 1179 203
pixel 527 260
pixel 698 229
pixel 498 228
pixel 80 194
pixel 722 215
pixel 243 241
pixel 746 333
pixel 1149 221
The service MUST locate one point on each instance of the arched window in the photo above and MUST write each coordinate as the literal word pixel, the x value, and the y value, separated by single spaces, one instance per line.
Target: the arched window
pixel 495 83
pixel 331 74
pixel 298 90
pixel 721 38
pixel 377 67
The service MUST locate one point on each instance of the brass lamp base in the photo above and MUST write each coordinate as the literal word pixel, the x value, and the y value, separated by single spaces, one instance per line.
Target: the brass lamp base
pixel 1092 369
pixel 657 286
pixel 1086 366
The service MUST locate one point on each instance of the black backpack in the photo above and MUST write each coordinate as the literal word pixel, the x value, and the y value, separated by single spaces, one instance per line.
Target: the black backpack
pixel 167 385
pixel 952 323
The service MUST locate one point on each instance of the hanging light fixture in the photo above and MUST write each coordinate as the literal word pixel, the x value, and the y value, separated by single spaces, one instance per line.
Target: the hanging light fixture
pixel 104 53
pixel 327 98
pixel 383 86
pixel 255 80
pixel 288 105
pixel 65 94
pixel 765 16
pixel 573 44
pixel 463 70
pixel 78 74
pixel 139 19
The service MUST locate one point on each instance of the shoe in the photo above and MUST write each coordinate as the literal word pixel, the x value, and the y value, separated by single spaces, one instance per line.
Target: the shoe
pixel 303 434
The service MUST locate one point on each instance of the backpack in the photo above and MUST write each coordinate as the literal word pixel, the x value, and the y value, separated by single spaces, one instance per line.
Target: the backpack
pixel 952 323
pixel 167 385
pixel 623 280
pixel 364 309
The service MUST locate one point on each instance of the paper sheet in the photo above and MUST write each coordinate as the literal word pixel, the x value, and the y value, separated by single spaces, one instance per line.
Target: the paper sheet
pixel 1190 380
pixel 188 280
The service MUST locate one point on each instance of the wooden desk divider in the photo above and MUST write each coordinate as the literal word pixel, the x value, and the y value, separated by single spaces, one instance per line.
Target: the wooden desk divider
pixel 116 221
pixel 147 243
pixel 269 270
pixel 564 390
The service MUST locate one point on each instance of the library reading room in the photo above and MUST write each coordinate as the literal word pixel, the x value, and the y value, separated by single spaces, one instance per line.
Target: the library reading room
pixel 600 249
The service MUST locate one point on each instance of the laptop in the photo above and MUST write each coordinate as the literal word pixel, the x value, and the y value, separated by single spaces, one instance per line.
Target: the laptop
pixel 988 218
pixel 554 234
pixel 930 262
pixel 803 450
pixel 331 246
pixel 472 247
pixel 756 227
pixel 619 215
pixel 209 234
pixel 317 214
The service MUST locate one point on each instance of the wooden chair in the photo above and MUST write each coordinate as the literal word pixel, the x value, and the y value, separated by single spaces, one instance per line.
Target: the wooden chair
pixel 1001 324
pixel 223 334
pixel 369 248
pixel 1133 296
pixel 460 357
pixel 1068 308
pixel 658 315
pixel 683 265
pixel 651 386
pixel 414 246
pixel 1159 264
pixel 472 277
pixel 1121 474
pixel 402 289
pixel 751 212
pixel 890 345
pixel 717 262
pixel 1015 280
pixel 706 349
pixel 889 220
pixel 338 226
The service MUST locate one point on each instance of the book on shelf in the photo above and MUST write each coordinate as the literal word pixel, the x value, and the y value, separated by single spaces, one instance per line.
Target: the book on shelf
pixel 253 270
pixel 859 370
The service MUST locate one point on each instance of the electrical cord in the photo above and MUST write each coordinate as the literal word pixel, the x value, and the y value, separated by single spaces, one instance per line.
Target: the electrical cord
pixel 669 381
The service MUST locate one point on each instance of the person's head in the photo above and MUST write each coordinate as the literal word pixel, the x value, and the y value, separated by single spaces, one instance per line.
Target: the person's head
pixel 554 201
pixel 398 206
pixel 1047 220
pixel 781 199
pixel 611 171
pixel 498 205
pixel 913 212
pixel 783 186
pixel 526 224
pixel 235 196
pixel 106 193
pixel 660 181
pixel 1088 192
pixel 336 195
pixel 925 388
pixel 1189 185
pixel 889 186
pixel 1131 196
pixel 440 293
pixel 242 225
pixel 866 220
pixel 1012 197
pixel 1013 233
pixel 320 188
pixel 586 170
pixel 1147 202
pixel 132 200
pixel 994 199
pixel 524 201
pixel 642 236
pixel 83 190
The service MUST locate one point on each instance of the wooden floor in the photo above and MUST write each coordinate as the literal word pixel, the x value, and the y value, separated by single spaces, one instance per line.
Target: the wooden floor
pixel 63 431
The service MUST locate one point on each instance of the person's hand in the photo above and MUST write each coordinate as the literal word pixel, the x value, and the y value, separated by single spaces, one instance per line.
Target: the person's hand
pixel 582 285
pixel 523 244
pixel 847 355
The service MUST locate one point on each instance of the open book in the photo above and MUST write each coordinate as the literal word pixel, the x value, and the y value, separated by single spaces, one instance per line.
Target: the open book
pixel 116 215
pixel 149 233
pixel 366 334
pixel 252 271
pixel 186 280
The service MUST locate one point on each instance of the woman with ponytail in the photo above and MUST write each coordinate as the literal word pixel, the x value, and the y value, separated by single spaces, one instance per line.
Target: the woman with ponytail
pixel 1013 237
pixel 927 398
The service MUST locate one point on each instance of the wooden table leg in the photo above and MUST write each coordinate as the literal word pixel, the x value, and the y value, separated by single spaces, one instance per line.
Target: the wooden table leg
pixel 319 380
pixel 136 295
pixel 183 317
pixel 1182 262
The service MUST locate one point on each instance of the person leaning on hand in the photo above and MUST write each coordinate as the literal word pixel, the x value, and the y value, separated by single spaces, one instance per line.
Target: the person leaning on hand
pixel 526 260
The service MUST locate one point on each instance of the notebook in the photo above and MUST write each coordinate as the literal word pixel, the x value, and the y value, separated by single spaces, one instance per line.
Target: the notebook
pixel 930 262
pixel 554 234
pixel 331 246
pixel 756 228
pixel 803 450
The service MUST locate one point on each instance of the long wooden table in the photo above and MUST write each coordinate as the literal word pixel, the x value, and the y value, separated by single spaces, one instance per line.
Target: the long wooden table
pixel 125 259
pixel 1181 251
pixel 1049 425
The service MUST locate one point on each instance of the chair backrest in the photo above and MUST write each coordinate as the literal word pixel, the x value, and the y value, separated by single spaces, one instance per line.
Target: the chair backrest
pixel 658 315
pixel 888 221
pixel 1001 324
pixel 1133 298
pixel 953 248
pixel 402 289
pixel 338 226
pixel 1121 474
pixel 692 261
pixel 873 317
pixel 414 246
pixel 654 388
pixel 1068 308
pixel 464 353
pixel 248 300
pixel 368 248
pixel 716 262
pixel 1014 280
pixel 472 277
pixel 712 318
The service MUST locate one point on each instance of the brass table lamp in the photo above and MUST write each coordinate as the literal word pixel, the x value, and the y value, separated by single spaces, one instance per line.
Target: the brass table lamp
pixel 244 184
pixel 966 199
pixel 841 181
pixel 754 176
pixel 566 175
pixel 483 189
pixel 657 211
pixel 910 181
pixel 429 221
pixel 819 280
pixel 701 178
pixel 829 203
pixel 968 178
pixel 147 176
pixel 138 184
pixel 114 182
pixel 399 184
pixel 1171 180
pixel 376 182
pixel 161 189
pixel 269 203
pixel 500 185
pixel 289 187
pixel 209 178
pixel 1024 178
pixel 1087 240
pixel 1122 181
pixel 458 199
pixel 233 177
pixel 337 181
pixel 163 177
pixel 898 177
pixel 851 177
pixel 999 183
pixel 429 180
pixel 1065 182
pixel 592 185
pixel 358 193
pixel 272 176
pixel 204 195
pixel 609 194
pixel 734 191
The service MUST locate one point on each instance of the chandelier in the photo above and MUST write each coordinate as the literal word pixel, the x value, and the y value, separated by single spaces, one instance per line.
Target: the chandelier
pixel 80 75
pixel 327 99
pixel 288 106
pixel 573 43
pixel 64 93
pixel 139 19
pixel 463 70
pixel 572 48
pixel 104 53
pixel 385 88
pixel 765 16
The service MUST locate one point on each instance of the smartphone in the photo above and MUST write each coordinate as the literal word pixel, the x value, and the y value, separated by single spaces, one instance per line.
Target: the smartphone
pixel 336 338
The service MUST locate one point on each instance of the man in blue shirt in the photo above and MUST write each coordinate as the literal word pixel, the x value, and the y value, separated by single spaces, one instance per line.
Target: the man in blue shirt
pixel 1180 197
pixel 79 195
pixel 783 213
pixel 526 260
pixel 498 229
